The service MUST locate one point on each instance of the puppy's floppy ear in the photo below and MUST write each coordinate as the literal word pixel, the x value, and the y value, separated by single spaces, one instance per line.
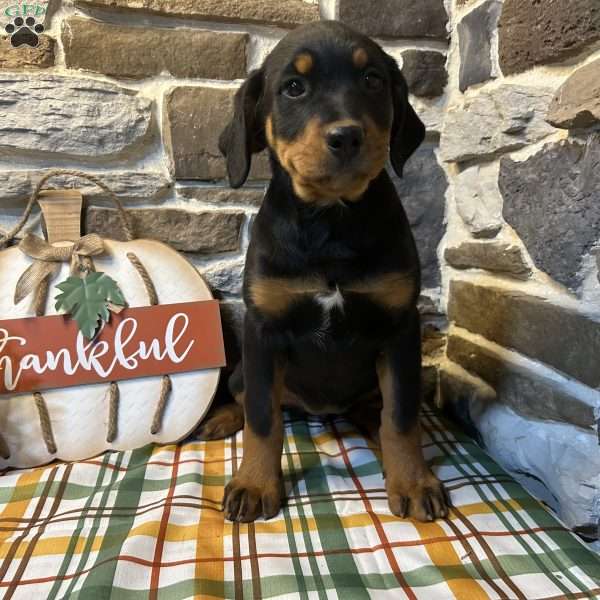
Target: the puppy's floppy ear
pixel 244 134
pixel 408 131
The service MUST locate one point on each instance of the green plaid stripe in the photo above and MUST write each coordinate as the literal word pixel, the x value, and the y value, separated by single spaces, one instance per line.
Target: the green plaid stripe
pixel 147 523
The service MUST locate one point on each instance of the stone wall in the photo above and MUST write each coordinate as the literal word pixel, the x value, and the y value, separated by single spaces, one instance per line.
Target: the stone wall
pixel 138 92
pixel 503 197
pixel 521 145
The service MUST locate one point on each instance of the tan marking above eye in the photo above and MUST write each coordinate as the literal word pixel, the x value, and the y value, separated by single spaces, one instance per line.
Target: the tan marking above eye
pixel 303 63
pixel 360 58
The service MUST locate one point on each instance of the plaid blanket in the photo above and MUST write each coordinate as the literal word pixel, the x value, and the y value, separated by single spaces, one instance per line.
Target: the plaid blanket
pixel 147 524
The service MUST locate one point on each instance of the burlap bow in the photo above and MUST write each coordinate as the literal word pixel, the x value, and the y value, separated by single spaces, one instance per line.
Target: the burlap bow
pixel 47 259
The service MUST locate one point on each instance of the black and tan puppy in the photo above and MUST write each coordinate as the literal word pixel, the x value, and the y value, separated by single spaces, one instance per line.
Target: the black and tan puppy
pixel 332 274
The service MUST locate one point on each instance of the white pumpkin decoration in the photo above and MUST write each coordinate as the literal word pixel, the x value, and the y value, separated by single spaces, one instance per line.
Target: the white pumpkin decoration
pixel 79 416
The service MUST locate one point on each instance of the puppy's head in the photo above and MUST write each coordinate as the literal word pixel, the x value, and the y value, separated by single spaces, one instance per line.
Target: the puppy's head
pixel 331 105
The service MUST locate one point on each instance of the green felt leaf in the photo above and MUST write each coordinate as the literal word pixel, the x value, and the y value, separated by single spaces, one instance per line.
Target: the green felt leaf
pixel 108 287
pixel 86 300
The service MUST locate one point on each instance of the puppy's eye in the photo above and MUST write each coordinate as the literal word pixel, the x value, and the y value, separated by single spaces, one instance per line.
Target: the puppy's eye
pixel 373 81
pixel 294 88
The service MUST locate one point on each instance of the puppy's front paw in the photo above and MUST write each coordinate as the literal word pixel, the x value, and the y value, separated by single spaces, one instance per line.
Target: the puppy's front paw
pixel 246 500
pixel 425 499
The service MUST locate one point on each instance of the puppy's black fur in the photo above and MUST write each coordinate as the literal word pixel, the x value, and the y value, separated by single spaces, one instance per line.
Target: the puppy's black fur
pixel 332 273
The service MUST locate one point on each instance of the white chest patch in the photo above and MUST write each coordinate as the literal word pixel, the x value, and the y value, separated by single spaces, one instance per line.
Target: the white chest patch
pixel 327 302
pixel 331 300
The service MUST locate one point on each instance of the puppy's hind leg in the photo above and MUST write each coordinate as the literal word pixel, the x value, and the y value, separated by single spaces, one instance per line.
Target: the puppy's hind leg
pixel 227 419
pixel 365 415
pixel 221 422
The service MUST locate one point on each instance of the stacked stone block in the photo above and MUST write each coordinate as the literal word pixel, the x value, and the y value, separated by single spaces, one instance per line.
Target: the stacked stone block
pixel 520 141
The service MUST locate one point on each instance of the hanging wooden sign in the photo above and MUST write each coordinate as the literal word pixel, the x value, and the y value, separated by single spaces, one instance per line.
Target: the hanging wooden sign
pixel 42 353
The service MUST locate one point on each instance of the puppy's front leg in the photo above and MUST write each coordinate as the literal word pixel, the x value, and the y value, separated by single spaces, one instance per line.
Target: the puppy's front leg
pixel 256 489
pixel 412 488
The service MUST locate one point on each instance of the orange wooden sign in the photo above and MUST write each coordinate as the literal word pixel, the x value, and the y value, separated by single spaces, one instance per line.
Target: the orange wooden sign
pixel 39 353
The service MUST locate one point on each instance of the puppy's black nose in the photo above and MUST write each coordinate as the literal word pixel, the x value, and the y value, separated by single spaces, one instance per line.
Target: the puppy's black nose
pixel 345 142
